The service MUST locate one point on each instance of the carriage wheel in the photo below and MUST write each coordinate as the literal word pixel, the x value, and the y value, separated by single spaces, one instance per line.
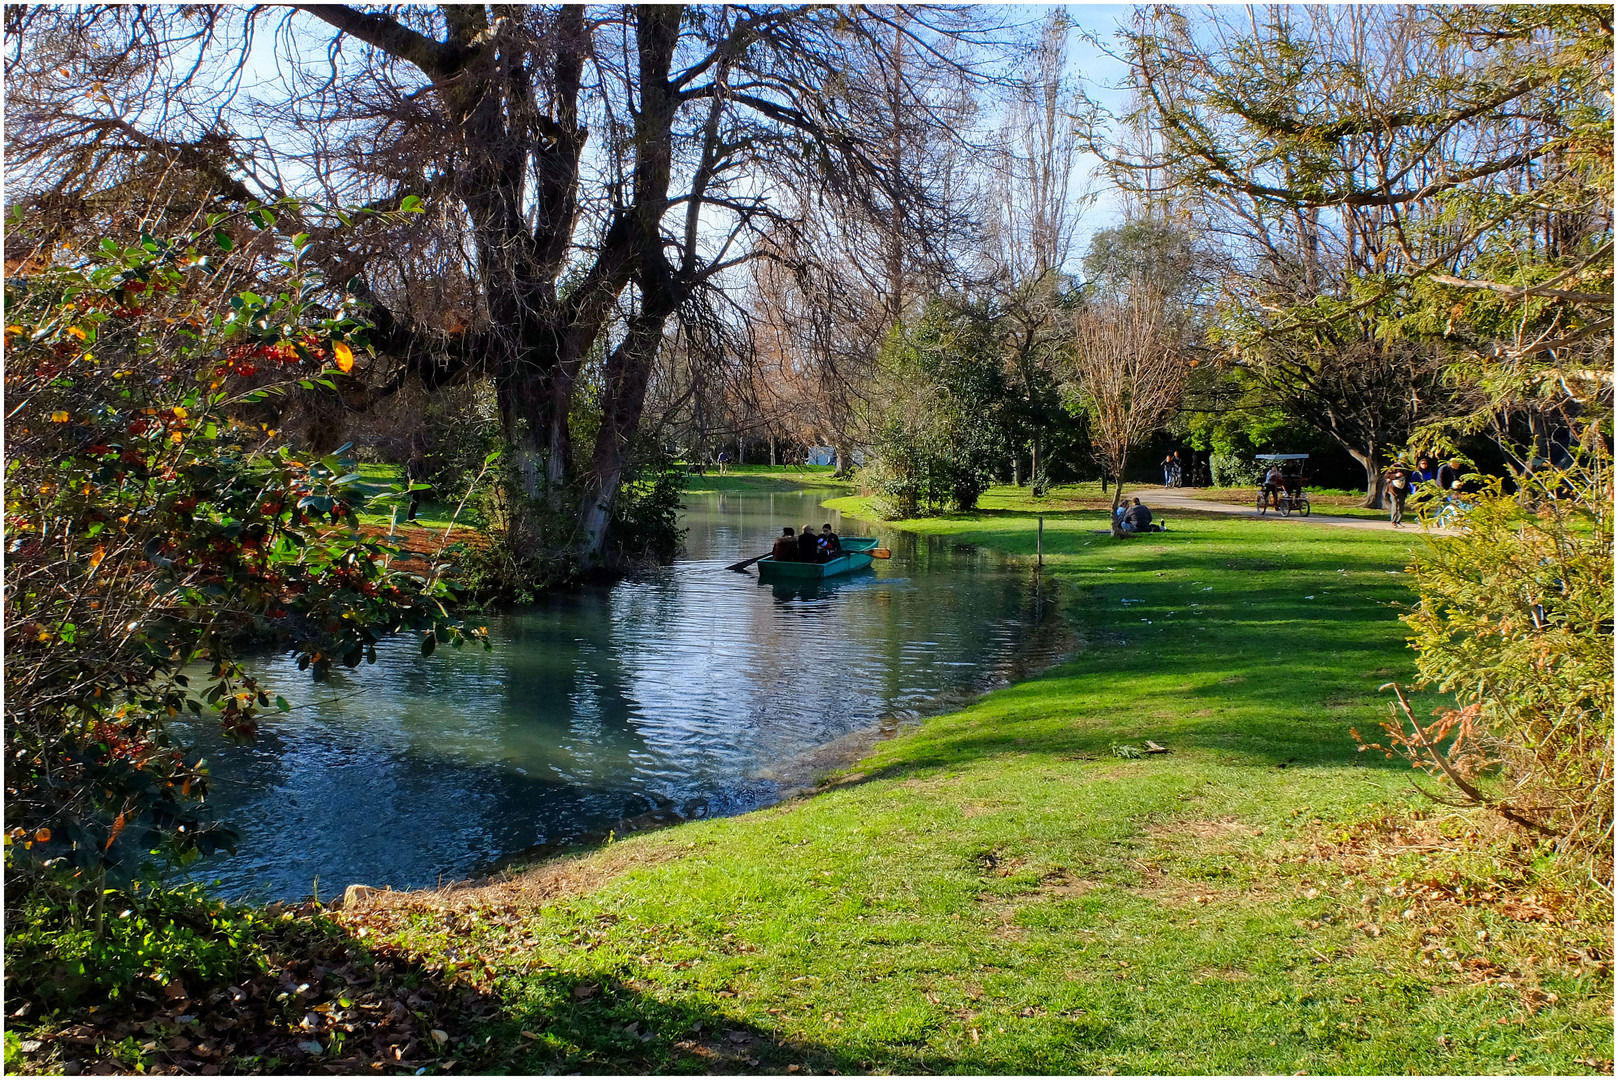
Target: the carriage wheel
pixel 1303 508
pixel 1286 505
pixel 1263 502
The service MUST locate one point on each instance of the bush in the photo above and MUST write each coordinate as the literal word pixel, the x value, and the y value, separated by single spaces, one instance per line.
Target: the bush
pixel 57 958
pixel 1233 470
pixel 1516 621
pixel 645 516
pixel 943 431
pixel 155 529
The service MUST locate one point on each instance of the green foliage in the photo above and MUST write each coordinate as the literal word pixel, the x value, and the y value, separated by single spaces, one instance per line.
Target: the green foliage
pixel 645 516
pixel 1516 620
pixel 462 430
pixel 1232 469
pixel 943 428
pixel 56 958
pixel 1143 249
pixel 154 530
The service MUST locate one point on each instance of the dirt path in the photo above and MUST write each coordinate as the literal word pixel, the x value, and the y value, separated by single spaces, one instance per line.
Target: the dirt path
pixel 1162 499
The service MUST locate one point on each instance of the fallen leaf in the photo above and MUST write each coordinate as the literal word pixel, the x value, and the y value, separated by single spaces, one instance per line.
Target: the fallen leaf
pixel 345 357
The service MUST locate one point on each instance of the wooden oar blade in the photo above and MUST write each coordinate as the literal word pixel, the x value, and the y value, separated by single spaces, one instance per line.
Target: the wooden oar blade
pixel 745 563
pixel 880 553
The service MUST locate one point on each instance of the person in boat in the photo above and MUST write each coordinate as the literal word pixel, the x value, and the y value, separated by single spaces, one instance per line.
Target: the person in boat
pixel 1137 518
pixel 786 546
pixel 831 545
pixel 808 545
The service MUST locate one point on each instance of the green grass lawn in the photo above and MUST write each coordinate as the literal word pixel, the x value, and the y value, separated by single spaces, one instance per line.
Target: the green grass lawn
pixel 999 892
pixel 378 478
pixel 751 477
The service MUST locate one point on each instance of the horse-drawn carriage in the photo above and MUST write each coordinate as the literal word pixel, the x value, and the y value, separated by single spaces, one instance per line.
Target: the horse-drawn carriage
pixel 1283 486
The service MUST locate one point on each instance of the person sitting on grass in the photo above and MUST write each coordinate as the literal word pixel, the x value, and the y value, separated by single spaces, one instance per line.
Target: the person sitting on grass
pixel 1137 518
pixel 786 546
pixel 808 545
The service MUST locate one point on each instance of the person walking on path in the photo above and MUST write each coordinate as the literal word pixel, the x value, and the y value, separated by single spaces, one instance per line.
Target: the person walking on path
pixel 1398 489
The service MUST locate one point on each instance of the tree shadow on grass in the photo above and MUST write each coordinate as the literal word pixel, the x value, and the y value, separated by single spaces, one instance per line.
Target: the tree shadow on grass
pixel 319 1000
pixel 577 1024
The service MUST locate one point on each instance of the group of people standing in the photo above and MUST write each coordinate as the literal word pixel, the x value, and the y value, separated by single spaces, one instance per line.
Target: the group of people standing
pixel 1401 483
pixel 807 546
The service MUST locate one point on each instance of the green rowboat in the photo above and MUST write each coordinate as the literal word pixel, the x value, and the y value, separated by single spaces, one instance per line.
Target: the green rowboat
pixel 853 558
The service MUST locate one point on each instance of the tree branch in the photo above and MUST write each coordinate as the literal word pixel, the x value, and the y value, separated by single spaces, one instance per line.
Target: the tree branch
pixel 435 59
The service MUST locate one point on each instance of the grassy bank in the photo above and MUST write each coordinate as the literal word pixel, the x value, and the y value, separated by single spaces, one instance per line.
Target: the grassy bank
pixel 1000 892
pixel 754 477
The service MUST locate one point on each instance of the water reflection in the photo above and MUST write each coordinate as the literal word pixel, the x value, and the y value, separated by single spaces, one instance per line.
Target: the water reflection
pixel 684 692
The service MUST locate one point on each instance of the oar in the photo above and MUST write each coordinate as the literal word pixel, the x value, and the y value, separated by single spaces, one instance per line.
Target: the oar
pixel 875 553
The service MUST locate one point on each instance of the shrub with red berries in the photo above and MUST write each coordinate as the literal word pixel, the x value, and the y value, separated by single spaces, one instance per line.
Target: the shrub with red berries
pixel 153 530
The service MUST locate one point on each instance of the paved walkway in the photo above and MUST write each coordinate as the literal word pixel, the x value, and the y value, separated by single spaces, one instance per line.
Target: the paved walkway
pixel 1165 499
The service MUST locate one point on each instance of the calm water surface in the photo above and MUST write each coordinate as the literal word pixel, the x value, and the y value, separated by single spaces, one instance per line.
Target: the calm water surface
pixel 686 691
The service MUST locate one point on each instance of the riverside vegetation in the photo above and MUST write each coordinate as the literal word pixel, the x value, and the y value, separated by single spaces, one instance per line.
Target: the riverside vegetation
pixel 1008 888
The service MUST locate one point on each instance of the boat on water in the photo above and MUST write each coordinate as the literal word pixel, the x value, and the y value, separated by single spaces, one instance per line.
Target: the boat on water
pixel 856 556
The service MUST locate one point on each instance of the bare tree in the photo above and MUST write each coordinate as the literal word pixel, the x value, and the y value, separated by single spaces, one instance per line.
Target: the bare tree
pixel 1129 372
pixel 595 171
pixel 1031 234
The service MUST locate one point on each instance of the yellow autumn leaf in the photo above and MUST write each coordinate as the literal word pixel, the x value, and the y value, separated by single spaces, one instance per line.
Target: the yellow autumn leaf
pixel 59 417
pixel 180 412
pixel 76 332
pixel 345 356
pixel 100 553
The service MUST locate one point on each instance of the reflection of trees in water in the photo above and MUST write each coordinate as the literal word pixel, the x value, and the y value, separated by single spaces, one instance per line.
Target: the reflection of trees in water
pixel 669 693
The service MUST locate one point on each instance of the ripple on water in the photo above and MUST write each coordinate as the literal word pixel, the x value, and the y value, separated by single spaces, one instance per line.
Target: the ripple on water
pixel 687 692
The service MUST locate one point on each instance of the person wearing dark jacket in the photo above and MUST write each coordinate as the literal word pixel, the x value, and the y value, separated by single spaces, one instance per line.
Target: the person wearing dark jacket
pixel 786 546
pixel 1448 473
pixel 1137 518
pixel 808 545
pixel 1397 491
pixel 415 473
pixel 831 545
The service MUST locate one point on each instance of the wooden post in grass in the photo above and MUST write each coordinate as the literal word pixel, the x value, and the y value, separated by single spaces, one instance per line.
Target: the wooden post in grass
pixel 1039 542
